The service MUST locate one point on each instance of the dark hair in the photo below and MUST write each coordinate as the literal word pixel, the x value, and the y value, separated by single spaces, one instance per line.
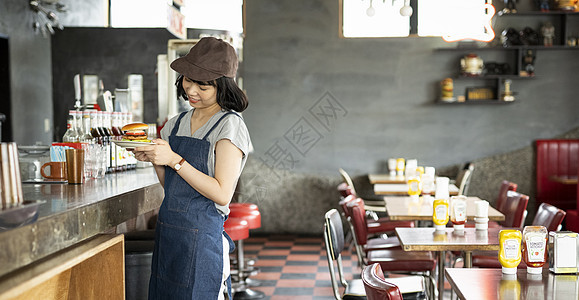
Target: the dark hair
pixel 229 95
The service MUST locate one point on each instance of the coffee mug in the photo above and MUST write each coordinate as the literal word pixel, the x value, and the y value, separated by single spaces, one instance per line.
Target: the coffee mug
pixel 57 170
pixel 75 165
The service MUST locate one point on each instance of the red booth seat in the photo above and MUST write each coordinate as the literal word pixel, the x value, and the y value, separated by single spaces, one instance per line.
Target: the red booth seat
pixel 557 158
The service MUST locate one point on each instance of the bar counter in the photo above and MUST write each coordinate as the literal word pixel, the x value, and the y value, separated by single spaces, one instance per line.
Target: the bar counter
pixel 71 214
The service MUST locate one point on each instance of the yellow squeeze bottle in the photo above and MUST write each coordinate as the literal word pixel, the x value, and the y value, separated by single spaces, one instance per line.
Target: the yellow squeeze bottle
pixel 414 188
pixel 440 213
pixel 440 204
pixel 510 250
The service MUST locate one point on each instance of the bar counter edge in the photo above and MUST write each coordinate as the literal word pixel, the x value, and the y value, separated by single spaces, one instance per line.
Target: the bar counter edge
pixel 110 201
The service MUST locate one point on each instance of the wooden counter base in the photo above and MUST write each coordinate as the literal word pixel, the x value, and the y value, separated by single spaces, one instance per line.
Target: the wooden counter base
pixel 93 269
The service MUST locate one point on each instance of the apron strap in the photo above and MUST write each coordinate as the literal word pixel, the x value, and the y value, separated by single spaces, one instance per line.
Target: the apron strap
pixel 176 127
pixel 216 123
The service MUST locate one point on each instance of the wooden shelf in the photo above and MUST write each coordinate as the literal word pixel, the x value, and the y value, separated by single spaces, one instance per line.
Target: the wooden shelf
pixel 474 102
pixel 522 47
pixel 491 77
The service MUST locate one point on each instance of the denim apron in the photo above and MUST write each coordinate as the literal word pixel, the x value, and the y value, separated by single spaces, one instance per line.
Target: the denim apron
pixel 188 255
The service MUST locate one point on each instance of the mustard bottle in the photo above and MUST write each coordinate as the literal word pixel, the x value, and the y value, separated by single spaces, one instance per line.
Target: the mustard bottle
pixel 440 205
pixel 414 188
pixel 400 164
pixel 510 250
pixel 440 213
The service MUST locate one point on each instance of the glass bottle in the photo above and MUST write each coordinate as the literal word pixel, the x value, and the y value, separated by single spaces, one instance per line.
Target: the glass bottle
pixel 94 127
pixel 106 140
pixel 86 135
pixel 70 134
pixel 510 250
pixel 535 248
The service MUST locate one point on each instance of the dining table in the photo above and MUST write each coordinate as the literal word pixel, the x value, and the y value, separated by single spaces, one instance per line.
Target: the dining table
pixel 386 178
pixel 408 209
pixel 441 241
pixel 401 189
pixel 491 284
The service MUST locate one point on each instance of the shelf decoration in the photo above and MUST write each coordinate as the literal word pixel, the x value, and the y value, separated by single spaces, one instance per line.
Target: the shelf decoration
pixel 447 90
pixel 471 65
pixel 480 93
pixel 507 94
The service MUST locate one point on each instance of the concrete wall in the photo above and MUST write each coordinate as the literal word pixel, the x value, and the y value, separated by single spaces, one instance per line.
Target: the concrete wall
pixel 382 92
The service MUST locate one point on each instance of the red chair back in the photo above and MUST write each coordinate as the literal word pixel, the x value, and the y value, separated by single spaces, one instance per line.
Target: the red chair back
pixel 358 220
pixel 502 197
pixel 376 287
pixel 549 216
pixel 514 209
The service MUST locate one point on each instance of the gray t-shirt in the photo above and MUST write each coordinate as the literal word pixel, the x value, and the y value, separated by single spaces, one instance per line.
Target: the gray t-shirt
pixel 232 127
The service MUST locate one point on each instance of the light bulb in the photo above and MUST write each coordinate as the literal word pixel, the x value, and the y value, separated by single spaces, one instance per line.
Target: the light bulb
pixel 406 11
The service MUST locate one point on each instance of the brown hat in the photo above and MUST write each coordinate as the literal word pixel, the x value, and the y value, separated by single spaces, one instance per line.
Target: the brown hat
pixel 208 60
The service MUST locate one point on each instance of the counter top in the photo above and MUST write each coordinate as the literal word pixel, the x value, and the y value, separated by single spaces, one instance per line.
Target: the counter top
pixel 73 213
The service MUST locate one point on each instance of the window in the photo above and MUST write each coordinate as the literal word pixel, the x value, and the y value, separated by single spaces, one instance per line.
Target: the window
pixel 374 18
pixel 451 19
pixel 456 19
pixel 201 14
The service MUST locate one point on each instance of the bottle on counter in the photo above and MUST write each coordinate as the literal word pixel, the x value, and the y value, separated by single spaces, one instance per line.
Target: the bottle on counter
pixel 458 212
pixel 117 133
pixel 440 205
pixel 535 248
pixel 510 250
pixel 71 134
pixel 106 139
pixel 94 131
pixel 86 135
pixel 414 188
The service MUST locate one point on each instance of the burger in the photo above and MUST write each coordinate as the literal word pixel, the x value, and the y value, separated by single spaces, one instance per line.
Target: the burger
pixel 135 132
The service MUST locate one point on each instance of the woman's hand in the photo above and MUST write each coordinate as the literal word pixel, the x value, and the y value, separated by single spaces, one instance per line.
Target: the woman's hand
pixel 159 154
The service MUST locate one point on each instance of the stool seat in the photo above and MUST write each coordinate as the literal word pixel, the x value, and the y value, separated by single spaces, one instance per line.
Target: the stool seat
pixel 245 205
pixel 253 217
pixel 236 228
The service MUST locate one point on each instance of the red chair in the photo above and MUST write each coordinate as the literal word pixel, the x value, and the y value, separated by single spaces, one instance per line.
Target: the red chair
pixel 502 196
pixel 514 209
pixel 390 259
pixel 381 225
pixel 379 288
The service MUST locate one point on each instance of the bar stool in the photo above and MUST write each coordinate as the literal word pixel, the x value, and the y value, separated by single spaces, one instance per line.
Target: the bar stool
pixel 237 229
pixel 248 213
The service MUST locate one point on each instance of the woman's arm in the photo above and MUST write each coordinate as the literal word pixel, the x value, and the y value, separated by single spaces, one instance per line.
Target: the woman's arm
pixel 220 188
pixel 160 170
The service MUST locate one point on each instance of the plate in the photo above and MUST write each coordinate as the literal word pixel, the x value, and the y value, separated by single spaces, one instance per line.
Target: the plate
pixel 129 144
pixel 19 215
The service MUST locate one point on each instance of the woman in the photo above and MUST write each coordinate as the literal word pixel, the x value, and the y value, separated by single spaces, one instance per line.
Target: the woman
pixel 198 160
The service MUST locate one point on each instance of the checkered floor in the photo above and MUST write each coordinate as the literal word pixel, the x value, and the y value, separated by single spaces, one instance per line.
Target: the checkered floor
pixel 294 267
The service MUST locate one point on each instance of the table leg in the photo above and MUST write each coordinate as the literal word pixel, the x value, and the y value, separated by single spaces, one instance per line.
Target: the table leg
pixel 441 261
pixel 468 259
